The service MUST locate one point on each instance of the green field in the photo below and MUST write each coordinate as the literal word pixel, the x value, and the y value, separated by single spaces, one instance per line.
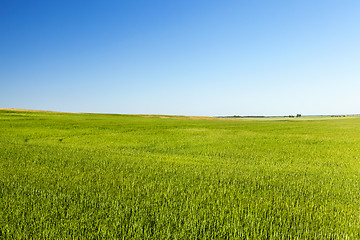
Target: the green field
pixel 92 176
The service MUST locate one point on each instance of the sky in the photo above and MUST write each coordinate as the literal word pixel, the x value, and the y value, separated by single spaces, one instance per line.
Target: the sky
pixel 202 58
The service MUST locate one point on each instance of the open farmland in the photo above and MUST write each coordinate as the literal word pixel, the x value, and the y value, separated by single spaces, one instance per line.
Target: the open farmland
pixel 89 176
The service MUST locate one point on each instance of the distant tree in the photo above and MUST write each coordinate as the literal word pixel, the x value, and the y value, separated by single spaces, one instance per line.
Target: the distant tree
pixel 298 115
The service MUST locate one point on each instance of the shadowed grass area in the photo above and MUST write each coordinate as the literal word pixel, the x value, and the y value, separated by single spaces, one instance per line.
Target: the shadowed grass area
pixel 94 176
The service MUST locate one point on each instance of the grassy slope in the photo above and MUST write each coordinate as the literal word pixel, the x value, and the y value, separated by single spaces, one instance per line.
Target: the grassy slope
pixel 117 176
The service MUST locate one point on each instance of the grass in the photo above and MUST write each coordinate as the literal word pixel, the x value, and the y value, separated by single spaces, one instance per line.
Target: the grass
pixel 92 176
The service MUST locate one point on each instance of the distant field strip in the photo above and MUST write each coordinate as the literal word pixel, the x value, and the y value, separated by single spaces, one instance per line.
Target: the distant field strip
pixel 92 176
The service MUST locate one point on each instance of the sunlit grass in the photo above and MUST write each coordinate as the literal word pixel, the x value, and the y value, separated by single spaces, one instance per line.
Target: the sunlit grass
pixel 116 176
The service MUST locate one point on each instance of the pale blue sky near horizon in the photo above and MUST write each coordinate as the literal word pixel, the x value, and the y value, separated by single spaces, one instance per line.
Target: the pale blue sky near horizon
pixel 181 57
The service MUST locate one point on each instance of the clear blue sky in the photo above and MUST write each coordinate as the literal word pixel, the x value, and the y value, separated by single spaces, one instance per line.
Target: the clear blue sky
pixel 181 57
